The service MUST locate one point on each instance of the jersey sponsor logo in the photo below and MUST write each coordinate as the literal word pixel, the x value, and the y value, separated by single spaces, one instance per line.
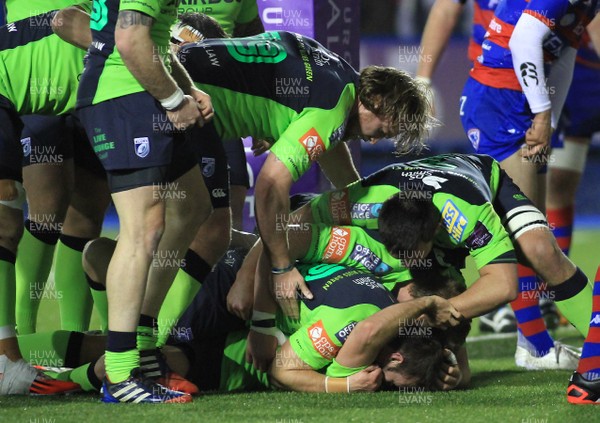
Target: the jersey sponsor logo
pixel 434 181
pixel 313 144
pixel 218 193
pixel 596 320
pixel 473 135
pixel 321 341
pixel 365 256
pixel 336 136
pixel 339 206
pixel 343 333
pixel 26 144
pixel 412 175
pixel 454 221
pixel 368 282
pixel 11 27
pixel 338 245
pixel 142 146
pixel 365 210
pixel 208 166
pixel 529 70
pixel 480 237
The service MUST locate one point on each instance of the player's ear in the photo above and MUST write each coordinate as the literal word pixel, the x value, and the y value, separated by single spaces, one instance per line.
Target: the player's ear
pixel 397 357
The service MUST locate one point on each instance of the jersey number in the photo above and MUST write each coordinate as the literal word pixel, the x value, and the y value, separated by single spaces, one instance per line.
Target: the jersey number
pixel 99 16
pixel 258 51
pixel 463 100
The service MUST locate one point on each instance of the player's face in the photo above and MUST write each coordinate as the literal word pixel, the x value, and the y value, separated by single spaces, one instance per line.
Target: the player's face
pixel 372 128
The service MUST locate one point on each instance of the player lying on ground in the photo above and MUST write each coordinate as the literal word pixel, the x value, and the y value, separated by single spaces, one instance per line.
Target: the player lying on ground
pixel 470 194
pixel 344 298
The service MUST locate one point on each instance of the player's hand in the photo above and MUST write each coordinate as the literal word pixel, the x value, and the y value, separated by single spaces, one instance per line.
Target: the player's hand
pixel 259 146
pixel 186 115
pixel 205 104
pixel 367 380
pixel 285 290
pixel 440 313
pixel 240 298
pixel 260 350
pixel 449 376
pixel 537 138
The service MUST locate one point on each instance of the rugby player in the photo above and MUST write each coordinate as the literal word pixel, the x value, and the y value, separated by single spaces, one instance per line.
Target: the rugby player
pixel 441 22
pixel 306 100
pixel 478 205
pixel 210 335
pixel 54 148
pixel 130 77
pixel 237 19
pixel 515 126
pixel 23 45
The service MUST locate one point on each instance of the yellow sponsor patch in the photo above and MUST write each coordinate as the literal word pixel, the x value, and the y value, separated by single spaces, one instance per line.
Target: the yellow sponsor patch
pixel 454 221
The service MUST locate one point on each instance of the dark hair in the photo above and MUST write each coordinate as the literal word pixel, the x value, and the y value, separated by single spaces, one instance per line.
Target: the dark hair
pixel 437 283
pixel 208 26
pixel 393 94
pixel 405 220
pixel 423 358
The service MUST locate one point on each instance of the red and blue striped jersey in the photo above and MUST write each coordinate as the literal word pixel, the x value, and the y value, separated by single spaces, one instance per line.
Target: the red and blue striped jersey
pixel 483 12
pixel 566 19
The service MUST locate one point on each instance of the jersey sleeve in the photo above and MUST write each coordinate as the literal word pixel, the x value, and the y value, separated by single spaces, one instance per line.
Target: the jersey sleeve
pixel 335 369
pixel 147 7
pixel 308 135
pixel 313 345
pixel 248 12
pixel 86 6
pixel 489 242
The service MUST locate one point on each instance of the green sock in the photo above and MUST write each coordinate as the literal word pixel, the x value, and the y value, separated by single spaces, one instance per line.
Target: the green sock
pixel 32 269
pixel 119 364
pixel 83 375
pixel 146 338
pixel 576 308
pixel 98 292
pixel 7 288
pixel 75 301
pixel 51 349
pixel 179 297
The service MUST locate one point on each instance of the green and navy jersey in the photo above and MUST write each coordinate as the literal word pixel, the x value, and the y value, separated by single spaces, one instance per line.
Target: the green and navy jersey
pixel 227 12
pixel 278 86
pixel 355 247
pixel 462 186
pixel 38 71
pixel 21 9
pixel 105 75
pixel 342 297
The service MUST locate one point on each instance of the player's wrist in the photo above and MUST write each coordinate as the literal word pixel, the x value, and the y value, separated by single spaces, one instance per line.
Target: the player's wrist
pixel 283 270
pixel 174 101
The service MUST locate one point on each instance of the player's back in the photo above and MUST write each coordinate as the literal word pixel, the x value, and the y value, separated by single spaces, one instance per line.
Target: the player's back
pixel 259 84
pixel 38 71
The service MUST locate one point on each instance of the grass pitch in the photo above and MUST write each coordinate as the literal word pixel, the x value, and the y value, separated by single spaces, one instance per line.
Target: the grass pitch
pixel 499 393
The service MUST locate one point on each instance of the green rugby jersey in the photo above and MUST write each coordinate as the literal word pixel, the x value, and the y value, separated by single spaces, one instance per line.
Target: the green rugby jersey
pixel 278 86
pixel 226 12
pixel 105 75
pixel 462 186
pixel 21 9
pixel 38 71
pixel 342 297
pixel 358 248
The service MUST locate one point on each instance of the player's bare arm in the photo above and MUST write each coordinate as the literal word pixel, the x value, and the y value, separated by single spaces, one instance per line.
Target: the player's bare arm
pixel 294 374
pixel 72 24
pixel 338 166
pixel 497 285
pixel 441 21
pixel 135 45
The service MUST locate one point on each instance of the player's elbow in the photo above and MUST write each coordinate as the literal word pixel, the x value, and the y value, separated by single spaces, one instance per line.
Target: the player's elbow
pixel 129 42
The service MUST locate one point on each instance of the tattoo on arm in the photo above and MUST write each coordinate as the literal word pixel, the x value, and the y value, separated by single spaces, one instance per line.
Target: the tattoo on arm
pixel 129 18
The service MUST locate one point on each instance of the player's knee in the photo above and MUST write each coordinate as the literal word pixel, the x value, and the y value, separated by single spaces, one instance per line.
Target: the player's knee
pixel 96 256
